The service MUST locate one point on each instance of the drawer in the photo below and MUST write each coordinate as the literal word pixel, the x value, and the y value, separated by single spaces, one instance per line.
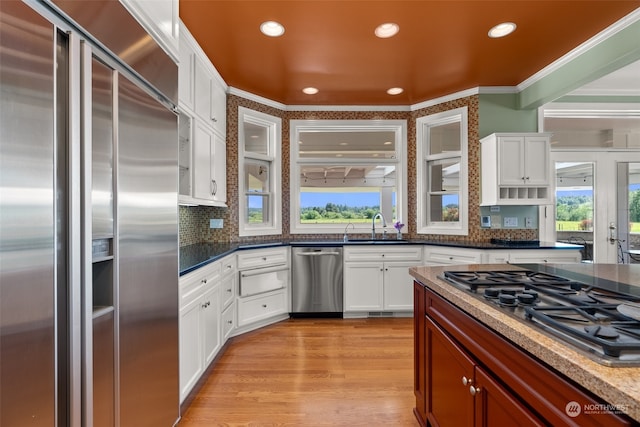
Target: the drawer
pixel 446 256
pixel 263 257
pixel 259 307
pixel 190 287
pixel 376 253
pixel 228 265
pixel 228 322
pixel 228 289
pixel 261 280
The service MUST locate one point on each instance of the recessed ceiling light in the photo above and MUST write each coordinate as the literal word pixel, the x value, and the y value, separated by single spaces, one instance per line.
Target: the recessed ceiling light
pixel 338 155
pixel 387 143
pixel 272 29
pixel 343 143
pixel 502 30
pixel 310 90
pixel 386 30
pixel 395 91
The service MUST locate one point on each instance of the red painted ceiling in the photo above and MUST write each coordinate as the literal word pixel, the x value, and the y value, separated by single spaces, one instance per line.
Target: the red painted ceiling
pixel 442 46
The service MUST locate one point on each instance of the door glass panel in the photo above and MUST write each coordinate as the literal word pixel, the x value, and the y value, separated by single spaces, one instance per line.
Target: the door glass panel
pixel 629 229
pixel 574 205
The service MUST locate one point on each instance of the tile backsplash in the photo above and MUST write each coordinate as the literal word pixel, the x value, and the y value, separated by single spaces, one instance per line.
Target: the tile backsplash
pixel 194 221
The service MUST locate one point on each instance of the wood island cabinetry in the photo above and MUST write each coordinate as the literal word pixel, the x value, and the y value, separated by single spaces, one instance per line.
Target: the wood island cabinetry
pixel 468 375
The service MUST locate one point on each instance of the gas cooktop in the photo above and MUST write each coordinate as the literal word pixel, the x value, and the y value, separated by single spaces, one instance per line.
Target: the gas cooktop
pixel 599 320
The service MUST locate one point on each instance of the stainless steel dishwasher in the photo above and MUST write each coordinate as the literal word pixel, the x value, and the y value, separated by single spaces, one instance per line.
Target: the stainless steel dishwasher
pixel 316 281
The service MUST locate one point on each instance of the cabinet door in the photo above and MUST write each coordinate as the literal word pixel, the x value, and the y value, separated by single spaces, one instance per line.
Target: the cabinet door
pixel 227 288
pixel 398 289
pixel 419 352
pixel 202 88
pixel 495 406
pixel 536 158
pixel 218 107
pixel 363 284
pixel 211 323
pixel 191 362
pixel 186 75
pixel 511 154
pixel 449 371
pixel 219 169
pixel 202 161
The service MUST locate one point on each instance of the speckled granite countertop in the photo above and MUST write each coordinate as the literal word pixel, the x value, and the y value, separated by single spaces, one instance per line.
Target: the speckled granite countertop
pixel 617 385
pixel 198 255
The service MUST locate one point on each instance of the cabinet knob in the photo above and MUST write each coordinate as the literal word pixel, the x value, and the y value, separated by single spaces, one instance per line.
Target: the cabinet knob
pixel 264 305
pixel 264 258
pixel 474 390
pixel 450 257
pixel 204 280
pixel 466 381
pixel 229 290
pixel 230 322
pixel 214 120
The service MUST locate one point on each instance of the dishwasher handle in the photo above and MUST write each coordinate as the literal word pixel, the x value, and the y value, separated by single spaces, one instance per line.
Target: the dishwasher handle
pixel 318 253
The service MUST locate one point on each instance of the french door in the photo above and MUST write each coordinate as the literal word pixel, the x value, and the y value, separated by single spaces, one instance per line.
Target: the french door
pixel 595 204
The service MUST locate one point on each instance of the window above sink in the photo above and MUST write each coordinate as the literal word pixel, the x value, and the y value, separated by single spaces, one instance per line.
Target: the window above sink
pixel 346 171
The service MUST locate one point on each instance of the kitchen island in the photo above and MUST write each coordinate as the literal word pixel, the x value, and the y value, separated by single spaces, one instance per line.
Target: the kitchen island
pixel 496 343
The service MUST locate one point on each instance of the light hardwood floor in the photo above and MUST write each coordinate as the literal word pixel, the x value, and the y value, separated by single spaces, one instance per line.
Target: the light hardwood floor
pixel 312 372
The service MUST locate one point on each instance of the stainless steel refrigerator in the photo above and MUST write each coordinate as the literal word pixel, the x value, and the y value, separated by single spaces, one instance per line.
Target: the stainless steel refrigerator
pixel 88 219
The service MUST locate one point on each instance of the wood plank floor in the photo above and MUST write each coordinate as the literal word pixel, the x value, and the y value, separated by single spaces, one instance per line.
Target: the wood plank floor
pixel 312 372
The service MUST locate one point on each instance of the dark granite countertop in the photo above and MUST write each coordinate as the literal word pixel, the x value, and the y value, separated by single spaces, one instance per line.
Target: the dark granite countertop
pixel 198 255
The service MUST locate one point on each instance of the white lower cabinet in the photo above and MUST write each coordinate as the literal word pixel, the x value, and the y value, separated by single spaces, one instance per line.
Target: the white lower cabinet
pixel 191 347
pixel 201 330
pixel 377 278
pixel 228 322
pixel 262 306
pixel 534 256
pixel 211 319
pixel 444 255
pixel 263 294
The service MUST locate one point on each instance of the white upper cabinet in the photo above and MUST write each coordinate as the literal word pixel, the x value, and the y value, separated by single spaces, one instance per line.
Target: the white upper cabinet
pixel 516 169
pixel 201 89
pixel 186 70
pixel 203 102
pixel 209 166
pixel 210 97
pixel 161 19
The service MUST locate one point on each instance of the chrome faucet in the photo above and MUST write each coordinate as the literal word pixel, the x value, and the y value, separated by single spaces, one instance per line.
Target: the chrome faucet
pixel 373 224
pixel 345 238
